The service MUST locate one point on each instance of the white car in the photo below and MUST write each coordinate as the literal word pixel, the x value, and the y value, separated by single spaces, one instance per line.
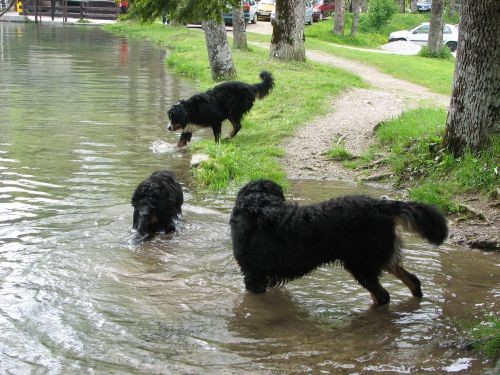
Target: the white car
pixel 420 35
pixel 308 15
pixel 424 5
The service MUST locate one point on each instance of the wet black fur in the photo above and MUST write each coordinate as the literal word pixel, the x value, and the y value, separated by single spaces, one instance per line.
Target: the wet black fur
pixel 157 203
pixel 228 100
pixel 275 242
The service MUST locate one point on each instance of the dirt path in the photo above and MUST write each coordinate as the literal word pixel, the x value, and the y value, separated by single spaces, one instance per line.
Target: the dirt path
pixel 354 114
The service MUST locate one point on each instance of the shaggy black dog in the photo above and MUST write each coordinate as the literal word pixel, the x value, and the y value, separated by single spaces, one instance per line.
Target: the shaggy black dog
pixel 275 242
pixel 229 100
pixel 157 203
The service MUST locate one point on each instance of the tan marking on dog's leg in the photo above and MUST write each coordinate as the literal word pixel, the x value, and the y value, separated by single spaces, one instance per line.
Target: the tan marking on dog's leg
pixel 409 279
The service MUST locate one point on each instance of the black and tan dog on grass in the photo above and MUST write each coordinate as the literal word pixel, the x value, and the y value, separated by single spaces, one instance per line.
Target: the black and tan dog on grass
pixel 275 242
pixel 226 101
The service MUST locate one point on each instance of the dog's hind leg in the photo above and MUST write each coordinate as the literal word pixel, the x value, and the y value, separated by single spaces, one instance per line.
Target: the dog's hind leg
pixel 236 127
pixel 255 283
pixel 409 279
pixel 369 281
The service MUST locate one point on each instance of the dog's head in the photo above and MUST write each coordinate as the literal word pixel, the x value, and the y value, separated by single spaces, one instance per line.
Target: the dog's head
pixel 178 117
pixel 260 197
pixel 262 187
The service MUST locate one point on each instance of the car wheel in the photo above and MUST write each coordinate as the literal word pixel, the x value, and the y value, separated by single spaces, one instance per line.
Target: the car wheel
pixel 452 46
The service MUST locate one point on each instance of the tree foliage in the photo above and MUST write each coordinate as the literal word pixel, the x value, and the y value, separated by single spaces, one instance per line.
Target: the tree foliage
pixel 380 12
pixel 181 10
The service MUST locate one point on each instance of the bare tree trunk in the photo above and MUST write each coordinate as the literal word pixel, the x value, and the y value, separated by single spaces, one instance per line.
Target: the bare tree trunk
pixel 451 8
pixel 356 10
pixel 287 42
pixel 364 6
pixel 474 114
pixel 402 6
pixel 338 24
pixel 413 6
pixel 436 27
pixel 239 32
pixel 219 53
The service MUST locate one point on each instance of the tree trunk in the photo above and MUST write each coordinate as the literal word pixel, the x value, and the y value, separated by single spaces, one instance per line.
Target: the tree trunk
pixel 219 53
pixel 338 25
pixel 436 27
pixel 364 6
pixel 287 42
pixel 474 114
pixel 356 10
pixel 451 8
pixel 239 32
pixel 413 6
pixel 402 6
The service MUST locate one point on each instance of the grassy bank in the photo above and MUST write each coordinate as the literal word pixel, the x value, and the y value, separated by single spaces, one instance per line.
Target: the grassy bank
pixel 411 145
pixel 368 36
pixel 435 74
pixel 301 93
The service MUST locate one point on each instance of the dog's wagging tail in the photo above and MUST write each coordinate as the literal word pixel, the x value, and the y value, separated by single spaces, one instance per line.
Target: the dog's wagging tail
pixel 275 242
pixel 226 101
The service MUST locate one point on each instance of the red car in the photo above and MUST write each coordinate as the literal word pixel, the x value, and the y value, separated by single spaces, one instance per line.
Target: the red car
pixel 322 9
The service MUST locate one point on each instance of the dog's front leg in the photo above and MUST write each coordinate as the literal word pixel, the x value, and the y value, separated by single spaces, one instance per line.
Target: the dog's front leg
pixel 185 138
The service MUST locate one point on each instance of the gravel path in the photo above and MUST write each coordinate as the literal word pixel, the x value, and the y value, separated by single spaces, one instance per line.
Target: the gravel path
pixel 354 114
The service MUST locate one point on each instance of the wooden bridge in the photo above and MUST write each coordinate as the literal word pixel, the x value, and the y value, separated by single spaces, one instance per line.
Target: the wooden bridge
pixel 82 9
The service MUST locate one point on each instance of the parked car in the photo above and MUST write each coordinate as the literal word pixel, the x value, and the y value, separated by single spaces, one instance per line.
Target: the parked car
pixel 265 8
pixel 249 13
pixel 420 35
pixel 424 5
pixel 322 9
pixel 308 15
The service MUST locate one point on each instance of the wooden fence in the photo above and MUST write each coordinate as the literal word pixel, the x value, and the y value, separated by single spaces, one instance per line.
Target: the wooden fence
pixel 89 9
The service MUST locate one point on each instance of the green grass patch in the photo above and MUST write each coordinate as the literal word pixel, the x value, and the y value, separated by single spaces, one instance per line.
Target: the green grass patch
pixel 366 36
pixel 301 93
pixel 435 74
pixel 413 145
pixel 485 336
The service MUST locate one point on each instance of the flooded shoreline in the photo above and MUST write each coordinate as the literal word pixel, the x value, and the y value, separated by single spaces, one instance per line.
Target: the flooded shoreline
pixel 76 296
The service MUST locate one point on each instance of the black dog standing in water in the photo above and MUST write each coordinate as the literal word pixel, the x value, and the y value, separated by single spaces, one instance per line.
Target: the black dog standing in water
pixel 275 242
pixel 157 203
pixel 229 100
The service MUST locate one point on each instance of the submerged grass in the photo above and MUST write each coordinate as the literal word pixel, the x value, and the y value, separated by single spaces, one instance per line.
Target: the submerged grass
pixel 431 174
pixel 302 91
pixel 485 336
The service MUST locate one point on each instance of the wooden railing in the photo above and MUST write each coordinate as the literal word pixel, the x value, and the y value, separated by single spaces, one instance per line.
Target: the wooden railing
pixel 71 9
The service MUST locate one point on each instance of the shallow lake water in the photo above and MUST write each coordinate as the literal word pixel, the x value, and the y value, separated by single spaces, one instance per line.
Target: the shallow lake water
pixel 82 121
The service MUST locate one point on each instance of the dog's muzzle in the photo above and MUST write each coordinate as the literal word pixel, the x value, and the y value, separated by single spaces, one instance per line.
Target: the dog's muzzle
pixel 173 127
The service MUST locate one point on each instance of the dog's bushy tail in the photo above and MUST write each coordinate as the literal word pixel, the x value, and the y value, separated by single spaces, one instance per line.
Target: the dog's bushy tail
pixel 419 218
pixel 264 88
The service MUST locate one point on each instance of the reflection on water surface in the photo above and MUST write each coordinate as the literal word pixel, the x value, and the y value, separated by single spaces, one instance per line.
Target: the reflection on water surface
pixel 82 117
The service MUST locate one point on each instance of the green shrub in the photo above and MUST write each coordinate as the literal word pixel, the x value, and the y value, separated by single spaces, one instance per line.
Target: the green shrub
pixel 380 12
pixel 445 53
